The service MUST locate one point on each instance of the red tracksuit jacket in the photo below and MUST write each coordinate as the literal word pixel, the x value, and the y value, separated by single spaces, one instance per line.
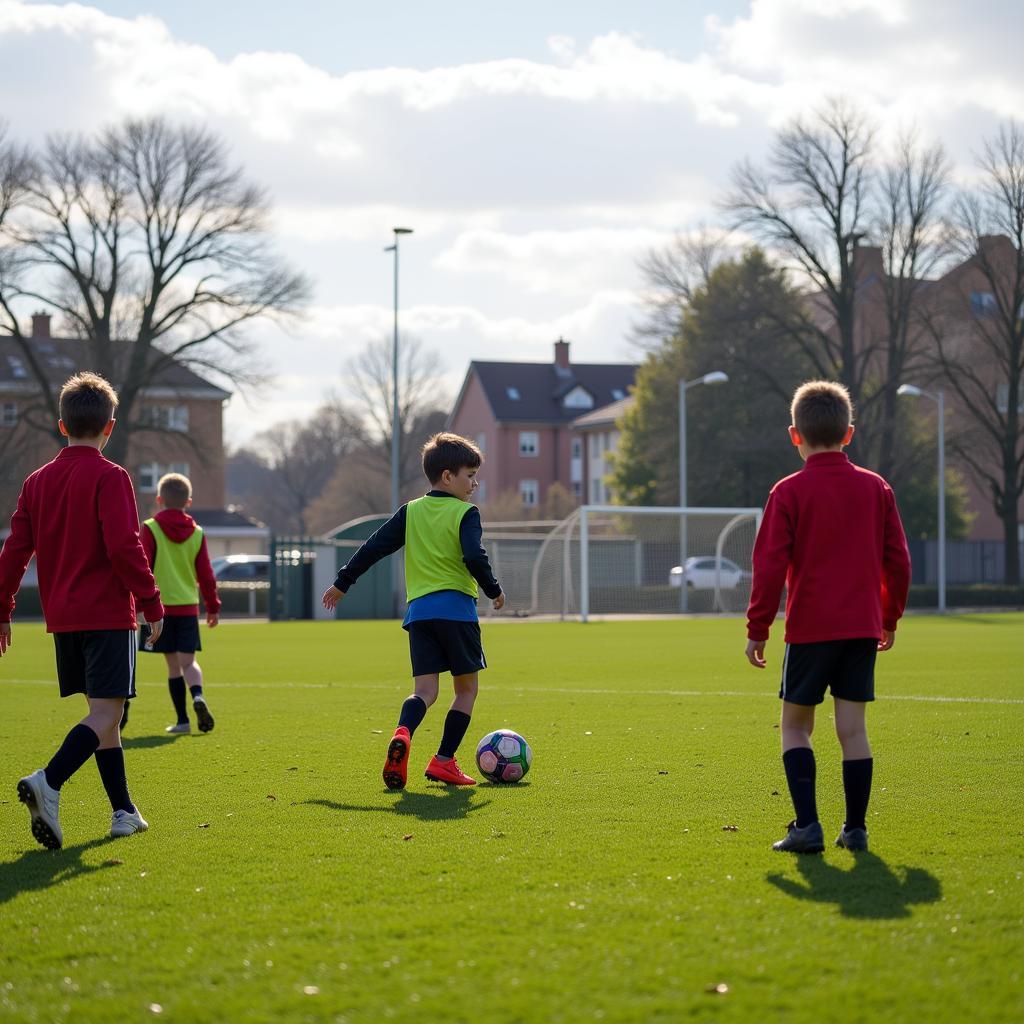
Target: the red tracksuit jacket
pixel 833 534
pixel 78 514
pixel 179 526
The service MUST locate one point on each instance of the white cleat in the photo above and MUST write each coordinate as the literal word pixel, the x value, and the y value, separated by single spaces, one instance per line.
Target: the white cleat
pixel 126 823
pixel 179 728
pixel 44 805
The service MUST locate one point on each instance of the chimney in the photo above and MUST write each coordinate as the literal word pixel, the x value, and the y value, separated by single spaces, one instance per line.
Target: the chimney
pixel 562 353
pixel 41 325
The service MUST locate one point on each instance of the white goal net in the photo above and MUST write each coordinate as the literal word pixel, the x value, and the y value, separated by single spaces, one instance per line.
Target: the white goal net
pixel 606 560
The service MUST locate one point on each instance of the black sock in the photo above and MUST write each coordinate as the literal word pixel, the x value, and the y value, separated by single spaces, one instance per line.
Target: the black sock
pixel 455 725
pixel 857 786
pixel 800 772
pixel 110 762
pixel 176 686
pixel 197 692
pixel 124 716
pixel 412 713
pixel 78 746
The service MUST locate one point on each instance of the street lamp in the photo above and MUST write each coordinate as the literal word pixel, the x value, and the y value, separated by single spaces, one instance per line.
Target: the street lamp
pixel 715 377
pixel 939 398
pixel 396 450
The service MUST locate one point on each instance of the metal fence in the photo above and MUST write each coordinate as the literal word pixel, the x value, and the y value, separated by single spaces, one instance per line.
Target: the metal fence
pixel 967 561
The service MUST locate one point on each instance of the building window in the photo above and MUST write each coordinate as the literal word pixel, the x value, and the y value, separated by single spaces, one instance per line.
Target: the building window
pixel 528 493
pixel 17 365
pixel 513 394
pixel 9 414
pixel 481 442
pixel 150 473
pixel 578 398
pixel 595 492
pixel 529 443
pixel 983 303
pixel 166 417
pixel 577 448
pixel 1003 397
pixel 577 489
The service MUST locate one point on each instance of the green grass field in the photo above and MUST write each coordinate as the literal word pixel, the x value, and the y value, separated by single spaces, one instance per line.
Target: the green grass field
pixel 280 881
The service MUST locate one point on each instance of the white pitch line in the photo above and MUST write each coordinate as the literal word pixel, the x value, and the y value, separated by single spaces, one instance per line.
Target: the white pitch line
pixel 921 698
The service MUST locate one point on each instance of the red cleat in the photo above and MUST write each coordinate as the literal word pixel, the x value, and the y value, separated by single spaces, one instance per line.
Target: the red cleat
pixel 397 765
pixel 448 771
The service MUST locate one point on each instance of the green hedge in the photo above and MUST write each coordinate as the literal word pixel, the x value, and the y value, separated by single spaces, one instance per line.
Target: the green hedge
pixel 976 595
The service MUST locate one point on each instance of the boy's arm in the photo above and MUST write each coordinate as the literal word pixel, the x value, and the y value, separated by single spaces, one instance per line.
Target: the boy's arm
pixel 119 521
pixel 772 550
pixel 895 566
pixel 471 533
pixel 206 580
pixel 388 539
pixel 15 556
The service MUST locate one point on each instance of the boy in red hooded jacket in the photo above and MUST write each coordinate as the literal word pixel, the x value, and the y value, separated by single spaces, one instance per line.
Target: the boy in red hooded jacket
pixel 176 549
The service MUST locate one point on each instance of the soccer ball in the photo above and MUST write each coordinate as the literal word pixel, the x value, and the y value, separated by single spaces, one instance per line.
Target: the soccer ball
pixel 503 756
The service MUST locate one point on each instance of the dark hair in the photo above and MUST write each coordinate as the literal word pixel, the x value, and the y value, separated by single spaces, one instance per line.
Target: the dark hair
pixel 175 490
pixel 451 452
pixel 87 404
pixel 822 413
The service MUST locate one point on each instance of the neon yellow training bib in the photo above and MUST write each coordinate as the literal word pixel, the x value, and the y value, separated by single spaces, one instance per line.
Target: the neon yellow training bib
pixel 433 551
pixel 175 567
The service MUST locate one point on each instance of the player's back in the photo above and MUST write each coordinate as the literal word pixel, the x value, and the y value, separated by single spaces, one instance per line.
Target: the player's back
pixel 844 529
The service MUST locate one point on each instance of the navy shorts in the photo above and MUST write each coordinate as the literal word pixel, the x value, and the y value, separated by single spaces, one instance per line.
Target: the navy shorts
pixel 96 662
pixel 847 667
pixel 443 645
pixel 180 633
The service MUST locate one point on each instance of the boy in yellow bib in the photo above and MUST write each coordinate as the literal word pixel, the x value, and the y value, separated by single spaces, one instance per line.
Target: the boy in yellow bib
pixel 444 563
pixel 177 552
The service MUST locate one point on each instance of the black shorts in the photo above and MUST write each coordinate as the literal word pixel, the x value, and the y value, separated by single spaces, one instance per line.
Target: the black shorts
pixel 180 633
pixel 845 666
pixel 442 645
pixel 96 662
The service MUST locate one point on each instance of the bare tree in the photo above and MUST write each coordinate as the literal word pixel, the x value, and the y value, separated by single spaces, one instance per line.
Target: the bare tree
pixel 422 405
pixel 979 337
pixel 908 226
pixel 673 275
pixel 810 204
pixel 154 249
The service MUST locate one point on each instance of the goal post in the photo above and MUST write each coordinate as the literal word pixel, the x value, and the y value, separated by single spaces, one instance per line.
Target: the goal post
pixel 612 559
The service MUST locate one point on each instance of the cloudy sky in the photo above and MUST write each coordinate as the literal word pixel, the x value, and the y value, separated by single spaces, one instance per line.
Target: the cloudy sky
pixel 537 148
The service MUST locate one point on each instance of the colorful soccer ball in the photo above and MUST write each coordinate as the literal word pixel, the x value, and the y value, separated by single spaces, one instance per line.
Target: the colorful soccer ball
pixel 503 756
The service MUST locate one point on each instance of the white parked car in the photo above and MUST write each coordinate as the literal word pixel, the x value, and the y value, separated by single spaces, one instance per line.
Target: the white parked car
pixel 700 574
pixel 241 568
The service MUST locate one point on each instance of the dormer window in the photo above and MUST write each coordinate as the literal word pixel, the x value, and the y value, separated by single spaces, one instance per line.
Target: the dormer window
pixel 618 394
pixel 513 394
pixel 578 398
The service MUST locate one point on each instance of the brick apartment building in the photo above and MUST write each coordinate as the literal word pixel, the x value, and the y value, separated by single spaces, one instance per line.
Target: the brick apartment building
pixel 952 303
pixel 522 416
pixel 187 409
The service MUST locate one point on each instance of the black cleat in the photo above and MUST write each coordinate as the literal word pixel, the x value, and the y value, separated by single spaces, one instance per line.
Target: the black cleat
pixel 203 717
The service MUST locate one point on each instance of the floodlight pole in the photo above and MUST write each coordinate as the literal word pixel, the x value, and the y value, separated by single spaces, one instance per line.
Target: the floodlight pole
pixel 940 400
pixel 715 377
pixel 396 449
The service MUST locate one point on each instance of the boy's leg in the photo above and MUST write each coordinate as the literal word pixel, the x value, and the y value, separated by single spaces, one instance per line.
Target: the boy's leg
pixel 194 678
pixel 176 688
pixel 396 765
pixel 126 819
pixel 804 834
pixel 443 766
pixel 858 767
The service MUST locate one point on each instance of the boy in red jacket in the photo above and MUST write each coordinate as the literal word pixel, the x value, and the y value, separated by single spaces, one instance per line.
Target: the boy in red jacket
pixel 833 534
pixel 78 515
pixel 176 549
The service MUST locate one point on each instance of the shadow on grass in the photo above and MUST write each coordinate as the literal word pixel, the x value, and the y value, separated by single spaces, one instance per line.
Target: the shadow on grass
pixel 39 868
pixel 450 803
pixel 870 889
pixel 143 742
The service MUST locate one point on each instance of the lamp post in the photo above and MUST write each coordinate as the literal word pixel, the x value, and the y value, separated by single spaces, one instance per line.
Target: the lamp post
pixel 715 377
pixel 396 450
pixel 940 399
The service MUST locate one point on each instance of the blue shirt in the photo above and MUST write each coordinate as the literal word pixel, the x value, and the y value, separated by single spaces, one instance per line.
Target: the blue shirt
pixel 442 604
